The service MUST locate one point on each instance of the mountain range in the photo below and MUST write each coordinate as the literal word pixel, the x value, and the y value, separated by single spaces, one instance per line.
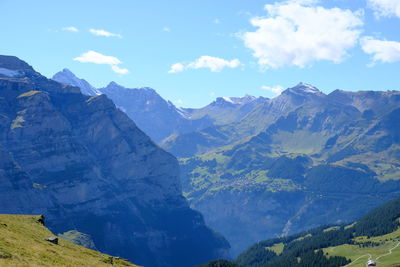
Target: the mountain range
pixel 87 167
pixel 319 159
pixel 159 118
pixel 282 165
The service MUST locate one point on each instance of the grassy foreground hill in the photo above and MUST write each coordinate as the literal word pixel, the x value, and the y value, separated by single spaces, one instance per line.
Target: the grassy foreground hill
pixel 374 236
pixel 22 243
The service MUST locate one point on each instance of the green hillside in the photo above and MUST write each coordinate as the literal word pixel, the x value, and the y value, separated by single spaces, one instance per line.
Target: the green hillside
pixel 375 236
pixel 22 243
pixel 321 159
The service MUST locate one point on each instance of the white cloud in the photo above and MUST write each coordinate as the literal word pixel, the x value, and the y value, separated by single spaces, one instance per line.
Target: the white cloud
pixel 385 8
pixel 104 33
pixel 215 64
pixel 119 70
pixel 97 58
pixel 166 29
pixel 298 33
pixel 381 50
pixel 217 21
pixel 70 29
pixel 177 67
pixel 277 89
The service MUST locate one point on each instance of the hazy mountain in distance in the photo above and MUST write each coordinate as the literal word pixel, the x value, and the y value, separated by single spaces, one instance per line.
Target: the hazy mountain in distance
pixel 161 119
pixel 225 110
pixel 154 115
pixel 263 112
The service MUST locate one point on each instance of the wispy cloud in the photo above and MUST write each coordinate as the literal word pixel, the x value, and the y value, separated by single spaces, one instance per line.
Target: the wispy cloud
pixel 119 70
pixel 177 67
pixel 98 58
pixel 381 50
pixel 385 8
pixel 100 32
pixel 277 89
pixel 215 64
pixel 297 33
pixel 166 29
pixel 70 29
pixel 217 21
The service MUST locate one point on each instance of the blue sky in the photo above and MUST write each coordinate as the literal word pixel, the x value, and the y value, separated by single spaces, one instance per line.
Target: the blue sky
pixel 217 48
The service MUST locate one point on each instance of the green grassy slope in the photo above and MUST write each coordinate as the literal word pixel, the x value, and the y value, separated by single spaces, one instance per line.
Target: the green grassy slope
pixel 375 236
pixel 384 249
pixel 22 244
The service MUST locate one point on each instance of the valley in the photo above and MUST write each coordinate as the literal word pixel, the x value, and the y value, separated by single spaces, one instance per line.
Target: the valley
pixel 200 133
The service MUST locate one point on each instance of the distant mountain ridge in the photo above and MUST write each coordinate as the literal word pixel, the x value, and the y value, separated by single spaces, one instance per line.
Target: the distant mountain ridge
pixel 263 112
pixel 154 115
pixel 159 118
pixel 225 110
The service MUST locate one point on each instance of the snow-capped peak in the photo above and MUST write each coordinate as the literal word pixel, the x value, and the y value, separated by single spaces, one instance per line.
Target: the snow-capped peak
pixel 228 99
pixel 237 100
pixel 308 88
pixel 304 89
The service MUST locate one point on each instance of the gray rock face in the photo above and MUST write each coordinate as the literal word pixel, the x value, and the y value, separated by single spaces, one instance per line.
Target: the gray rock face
pixel 86 166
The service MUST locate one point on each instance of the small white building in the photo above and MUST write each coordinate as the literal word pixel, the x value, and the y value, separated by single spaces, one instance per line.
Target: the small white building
pixel 371 263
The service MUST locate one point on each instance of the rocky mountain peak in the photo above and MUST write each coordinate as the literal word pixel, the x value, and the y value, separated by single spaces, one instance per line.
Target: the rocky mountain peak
pixel 114 87
pixel 13 63
pixel 113 84
pixel 13 67
pixel 68 77
pixel 234 100
pixel 303 89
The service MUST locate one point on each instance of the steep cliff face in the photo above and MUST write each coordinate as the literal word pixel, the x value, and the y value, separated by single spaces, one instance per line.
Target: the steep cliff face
pixel 86 166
